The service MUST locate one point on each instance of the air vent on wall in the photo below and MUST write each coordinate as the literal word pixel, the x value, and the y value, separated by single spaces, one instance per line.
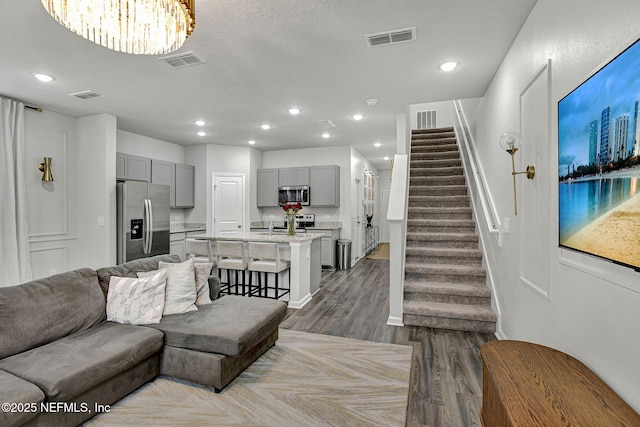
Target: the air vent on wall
pixel 181 60
pixel 426 119
pixel 87 94
pixel 390 37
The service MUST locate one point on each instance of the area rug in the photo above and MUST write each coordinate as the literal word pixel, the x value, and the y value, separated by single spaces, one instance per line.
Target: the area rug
pixel 382 252
pixel 304 380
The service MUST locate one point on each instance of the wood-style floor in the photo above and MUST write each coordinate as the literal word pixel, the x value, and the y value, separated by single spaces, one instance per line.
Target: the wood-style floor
pixel 446 370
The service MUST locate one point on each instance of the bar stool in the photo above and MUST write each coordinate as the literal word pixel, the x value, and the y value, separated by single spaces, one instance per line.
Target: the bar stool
pixel 265 258
pixel 231 256
pixel 200 249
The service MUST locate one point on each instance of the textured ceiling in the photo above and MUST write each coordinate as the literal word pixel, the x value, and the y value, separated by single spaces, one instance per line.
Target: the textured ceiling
pixel 264 56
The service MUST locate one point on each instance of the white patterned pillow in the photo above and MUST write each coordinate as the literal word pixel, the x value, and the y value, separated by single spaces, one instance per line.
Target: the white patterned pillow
pixel 180 294
pixel 203 271
pixel 136 301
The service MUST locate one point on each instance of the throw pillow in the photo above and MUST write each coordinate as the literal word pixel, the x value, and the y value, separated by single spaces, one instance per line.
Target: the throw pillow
pixel 136 301
pixel 203 272
pixel 180 294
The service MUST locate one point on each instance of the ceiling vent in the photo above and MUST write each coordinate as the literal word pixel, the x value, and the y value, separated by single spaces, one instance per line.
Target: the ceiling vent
pixel 181 60
pixel 327 123
pixel 87 94
pixel 391 37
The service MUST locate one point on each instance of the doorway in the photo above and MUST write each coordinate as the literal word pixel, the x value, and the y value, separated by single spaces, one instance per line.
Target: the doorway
pixel 228 204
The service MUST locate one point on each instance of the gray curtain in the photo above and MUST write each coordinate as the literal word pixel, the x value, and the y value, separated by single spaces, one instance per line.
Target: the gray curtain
pixel 15 266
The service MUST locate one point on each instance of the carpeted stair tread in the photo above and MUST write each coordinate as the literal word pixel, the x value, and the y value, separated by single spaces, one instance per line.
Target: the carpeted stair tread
pixel 465 289
pixel 453 311
pixel 436 251
pixel 438 190
pixel 450 269
pixel 441 225
pixel 440 171
pixel 437 180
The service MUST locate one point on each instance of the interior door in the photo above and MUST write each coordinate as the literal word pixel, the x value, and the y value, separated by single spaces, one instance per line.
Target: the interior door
pixel 357 215
pixel 228 204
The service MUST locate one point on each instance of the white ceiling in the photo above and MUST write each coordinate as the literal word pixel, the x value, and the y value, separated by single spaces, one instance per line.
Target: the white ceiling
pixel 264 56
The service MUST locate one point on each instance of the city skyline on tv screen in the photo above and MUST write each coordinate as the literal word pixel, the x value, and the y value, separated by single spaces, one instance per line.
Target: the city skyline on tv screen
pixel 599 162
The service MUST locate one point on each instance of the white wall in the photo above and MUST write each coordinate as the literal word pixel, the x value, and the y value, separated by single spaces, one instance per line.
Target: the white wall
pixel 444 113
pixel 72 219
pixel 144 146
pixel 583 306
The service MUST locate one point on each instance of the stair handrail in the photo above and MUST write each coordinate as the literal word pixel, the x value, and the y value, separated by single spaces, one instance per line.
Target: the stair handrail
pixel 474 171
pixel 397 217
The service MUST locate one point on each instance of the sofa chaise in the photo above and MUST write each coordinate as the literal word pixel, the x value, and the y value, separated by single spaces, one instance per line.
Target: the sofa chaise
pixel 60 359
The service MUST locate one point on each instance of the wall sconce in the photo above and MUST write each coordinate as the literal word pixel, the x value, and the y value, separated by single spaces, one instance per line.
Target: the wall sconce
pixel 510 142
pixel 45 168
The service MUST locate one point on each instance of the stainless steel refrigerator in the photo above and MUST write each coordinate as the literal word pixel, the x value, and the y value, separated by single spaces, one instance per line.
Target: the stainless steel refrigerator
pixel 143 220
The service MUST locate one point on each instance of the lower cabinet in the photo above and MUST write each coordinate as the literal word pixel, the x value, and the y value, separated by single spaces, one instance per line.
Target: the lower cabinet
pixel 176 242
pixel 328 247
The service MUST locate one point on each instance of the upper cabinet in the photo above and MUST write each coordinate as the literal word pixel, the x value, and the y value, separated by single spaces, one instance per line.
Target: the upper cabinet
pixel 323 182
pixel 133 168
pixel 324 185
pixel 164 173
pixel 293 176
pixel 180 178
pixel 267 188
pixel 184 186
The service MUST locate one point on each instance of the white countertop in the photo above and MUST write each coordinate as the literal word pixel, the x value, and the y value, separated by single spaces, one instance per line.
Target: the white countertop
pixel 184 227
pixel 263 237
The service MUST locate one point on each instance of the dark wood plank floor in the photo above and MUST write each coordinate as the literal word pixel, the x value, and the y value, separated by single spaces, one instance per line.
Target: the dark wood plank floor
pixel 446 370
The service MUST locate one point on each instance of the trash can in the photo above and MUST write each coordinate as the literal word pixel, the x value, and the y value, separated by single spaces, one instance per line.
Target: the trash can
pixel 343 254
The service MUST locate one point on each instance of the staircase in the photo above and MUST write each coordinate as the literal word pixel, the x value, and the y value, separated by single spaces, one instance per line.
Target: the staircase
pixel 445 282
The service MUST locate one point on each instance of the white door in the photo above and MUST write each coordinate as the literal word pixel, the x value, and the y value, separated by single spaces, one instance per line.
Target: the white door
pixel 384 207
pixel 228 204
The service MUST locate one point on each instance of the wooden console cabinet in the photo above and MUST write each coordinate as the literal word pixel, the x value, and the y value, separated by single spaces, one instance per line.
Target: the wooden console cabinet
pixel 526 384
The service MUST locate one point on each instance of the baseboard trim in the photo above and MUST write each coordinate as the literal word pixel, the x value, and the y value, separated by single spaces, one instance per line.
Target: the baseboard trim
pixel 395 321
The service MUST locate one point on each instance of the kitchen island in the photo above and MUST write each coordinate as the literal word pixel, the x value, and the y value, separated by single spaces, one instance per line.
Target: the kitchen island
pixel 301 250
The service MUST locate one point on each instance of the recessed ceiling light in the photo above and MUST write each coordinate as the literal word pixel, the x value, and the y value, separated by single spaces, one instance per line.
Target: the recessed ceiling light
pixel 202 133
pixel 251 142
pixel 265 126
pixel 294 111
pixel 448 66
pixel 357 117
pixel 200 122
pixel 377 144
pixel 326 135
pixel 386 157
pixel 43 77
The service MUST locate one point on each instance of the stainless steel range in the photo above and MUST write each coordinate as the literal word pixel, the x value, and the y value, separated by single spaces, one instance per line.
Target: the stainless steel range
pixel 302 221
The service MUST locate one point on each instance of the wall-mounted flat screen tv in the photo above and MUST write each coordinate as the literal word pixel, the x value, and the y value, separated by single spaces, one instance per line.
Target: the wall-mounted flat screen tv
pixel 599 162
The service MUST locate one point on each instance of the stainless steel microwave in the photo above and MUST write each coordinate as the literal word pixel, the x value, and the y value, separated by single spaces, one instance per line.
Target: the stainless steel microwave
pixel 293 194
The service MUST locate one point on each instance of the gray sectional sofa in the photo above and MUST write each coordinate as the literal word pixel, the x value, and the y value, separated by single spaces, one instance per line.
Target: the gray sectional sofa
pixel 60 359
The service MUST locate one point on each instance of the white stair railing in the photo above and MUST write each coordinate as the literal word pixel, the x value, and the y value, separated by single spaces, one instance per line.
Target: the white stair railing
pixel 479 190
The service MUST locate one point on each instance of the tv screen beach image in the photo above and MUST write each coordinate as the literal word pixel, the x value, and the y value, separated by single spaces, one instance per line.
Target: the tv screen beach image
pixel 599 162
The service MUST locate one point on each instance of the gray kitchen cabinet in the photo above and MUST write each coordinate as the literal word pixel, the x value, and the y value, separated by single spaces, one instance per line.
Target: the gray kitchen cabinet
pixel 164 173
pixel 138 168
pixel 121 166
pixel 327 247
pixel 324 185
pixel 267 188
pixel 176 244
pixel 134 168
pixel 293 176
pixel 184 186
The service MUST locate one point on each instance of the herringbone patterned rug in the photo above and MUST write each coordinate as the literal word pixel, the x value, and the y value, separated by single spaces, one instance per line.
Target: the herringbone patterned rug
pixel 305 380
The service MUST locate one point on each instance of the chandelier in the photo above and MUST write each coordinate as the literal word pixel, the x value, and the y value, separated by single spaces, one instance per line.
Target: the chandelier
pixel 149 27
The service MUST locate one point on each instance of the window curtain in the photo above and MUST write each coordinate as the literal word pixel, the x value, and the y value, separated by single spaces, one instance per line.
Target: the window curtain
pixel 15 266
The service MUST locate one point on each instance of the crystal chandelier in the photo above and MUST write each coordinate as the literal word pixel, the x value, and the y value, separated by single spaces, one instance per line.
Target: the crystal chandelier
pixel 149 27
